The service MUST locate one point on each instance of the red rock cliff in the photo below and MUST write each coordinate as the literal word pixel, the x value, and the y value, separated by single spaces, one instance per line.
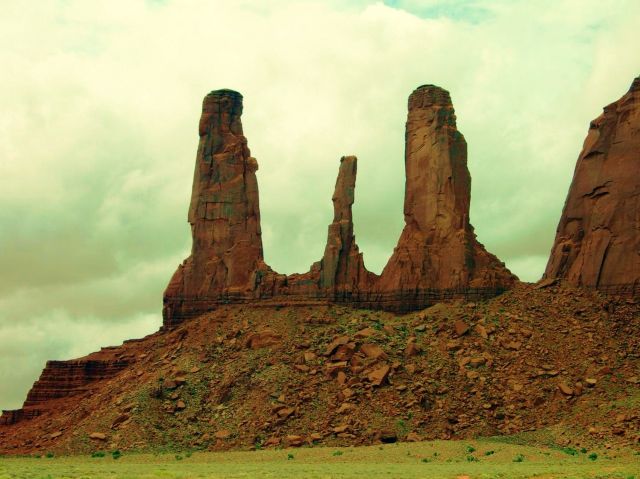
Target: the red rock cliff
pixel 437 257
pixel 61 379
pixel 598 238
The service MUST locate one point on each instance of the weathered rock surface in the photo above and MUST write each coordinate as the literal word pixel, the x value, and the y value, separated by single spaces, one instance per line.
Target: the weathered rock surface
pixel 342 266
pixel 9 417
pixel 598 238
pixel 338 383
pixel 438 249
pixel 69 378
pixel 437 257
pixel 61 379
pixel 226 255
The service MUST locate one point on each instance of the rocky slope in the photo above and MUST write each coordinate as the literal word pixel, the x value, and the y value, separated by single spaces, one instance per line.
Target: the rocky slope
pixel 598 238
pixel 561 361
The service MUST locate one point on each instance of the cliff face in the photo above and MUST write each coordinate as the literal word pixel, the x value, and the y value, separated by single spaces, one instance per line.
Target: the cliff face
pixel 437 257
pixel 69 378
pixel 598 238
pixel 438 248
pixel 62 379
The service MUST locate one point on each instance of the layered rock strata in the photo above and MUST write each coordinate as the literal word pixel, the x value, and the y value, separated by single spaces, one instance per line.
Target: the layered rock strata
pixel 438 249
pixel 597 242
pixel 9 417
pixel 437 257
pixel 61 379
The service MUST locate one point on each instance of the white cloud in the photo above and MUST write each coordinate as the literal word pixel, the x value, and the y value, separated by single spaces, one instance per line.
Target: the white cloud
pixel 99 103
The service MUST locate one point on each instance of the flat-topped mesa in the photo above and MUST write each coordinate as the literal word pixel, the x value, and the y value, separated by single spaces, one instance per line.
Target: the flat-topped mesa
pixel 224 214
pixel 342 268
pixel 437 249
pixel 597 242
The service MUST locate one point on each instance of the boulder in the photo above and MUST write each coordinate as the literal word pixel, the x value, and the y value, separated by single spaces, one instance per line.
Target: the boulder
pixel 379 375
pixel 372 351
pixel 262 339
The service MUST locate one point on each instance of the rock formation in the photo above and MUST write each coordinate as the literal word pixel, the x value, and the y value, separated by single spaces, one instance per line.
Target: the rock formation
pixel 438 249
pixel 342 268
pixel 598 238
pixel 226 255
pixel 437 257
pixel 336 378
pixel 61 379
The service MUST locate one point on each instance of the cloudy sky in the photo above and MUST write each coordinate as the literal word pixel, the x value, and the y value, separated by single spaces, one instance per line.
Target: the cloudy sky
pixel 99 104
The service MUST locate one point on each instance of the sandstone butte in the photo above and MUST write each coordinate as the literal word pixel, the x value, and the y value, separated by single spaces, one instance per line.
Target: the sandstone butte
pixel 437 256
pixel 597 243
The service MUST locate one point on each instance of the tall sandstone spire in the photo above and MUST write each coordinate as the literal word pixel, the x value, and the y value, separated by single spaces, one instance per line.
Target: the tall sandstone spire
pixel 598 238
pixel 437 249
pixel 342 267
pixel 224 213
pixel 437 257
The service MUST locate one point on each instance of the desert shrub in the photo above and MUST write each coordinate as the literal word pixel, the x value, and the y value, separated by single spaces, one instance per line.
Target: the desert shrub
pixel 402 427
pixel 157 391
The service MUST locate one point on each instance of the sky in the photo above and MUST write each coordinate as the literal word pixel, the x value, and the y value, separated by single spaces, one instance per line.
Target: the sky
pixel 99 107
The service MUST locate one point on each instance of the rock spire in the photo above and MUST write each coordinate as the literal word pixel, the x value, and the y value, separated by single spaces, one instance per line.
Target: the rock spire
pixel 224 213
pixel 342 266
pixel 437 257
pixel 438 248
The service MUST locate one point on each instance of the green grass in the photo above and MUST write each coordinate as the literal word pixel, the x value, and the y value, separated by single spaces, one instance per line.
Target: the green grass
pixel 436 459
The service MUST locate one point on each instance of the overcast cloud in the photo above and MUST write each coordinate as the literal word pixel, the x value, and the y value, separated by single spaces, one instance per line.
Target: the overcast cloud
pixel 99 105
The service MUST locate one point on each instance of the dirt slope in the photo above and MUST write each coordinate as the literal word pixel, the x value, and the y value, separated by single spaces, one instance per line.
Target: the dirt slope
pixel 558 360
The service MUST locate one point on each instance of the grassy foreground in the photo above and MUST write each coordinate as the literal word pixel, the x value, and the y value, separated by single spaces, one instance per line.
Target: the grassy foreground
pixel 485 458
